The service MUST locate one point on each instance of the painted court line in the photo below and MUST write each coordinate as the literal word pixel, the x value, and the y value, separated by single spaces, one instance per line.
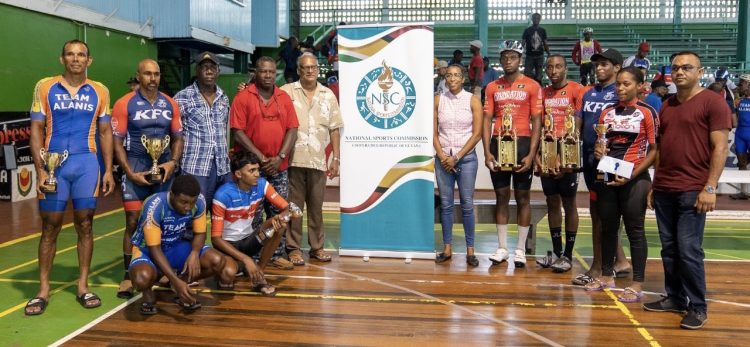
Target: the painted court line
pixel 95 321
pixel 61 288
pixel 447 303
pixel 624 309
pixel 34 235
pixel 30 262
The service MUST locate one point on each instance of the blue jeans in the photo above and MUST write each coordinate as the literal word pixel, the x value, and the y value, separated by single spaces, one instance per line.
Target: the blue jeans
pixel 681 234
pixel 466 176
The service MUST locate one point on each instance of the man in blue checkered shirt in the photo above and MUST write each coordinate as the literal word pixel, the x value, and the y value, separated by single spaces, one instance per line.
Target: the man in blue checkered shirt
pixel 205 113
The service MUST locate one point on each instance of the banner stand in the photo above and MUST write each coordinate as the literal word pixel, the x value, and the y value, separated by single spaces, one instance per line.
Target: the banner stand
pixel 386 254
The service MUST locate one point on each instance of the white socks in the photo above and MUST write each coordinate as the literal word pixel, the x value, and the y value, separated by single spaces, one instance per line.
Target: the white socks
pixel 502 235
pixel 523 232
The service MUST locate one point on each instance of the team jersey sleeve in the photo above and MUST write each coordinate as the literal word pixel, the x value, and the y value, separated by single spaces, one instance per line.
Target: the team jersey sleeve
pixel 650 123
pixel 274 198
pixel 120 117
pixel 152 226
pixel 39 101
pixel 535 101
pixel 103 112
pixel 218 210
pixel 175 126
pixel 199 219
pixel 489 101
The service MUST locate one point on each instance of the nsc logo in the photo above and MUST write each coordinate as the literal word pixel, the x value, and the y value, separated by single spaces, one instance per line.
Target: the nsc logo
pixel 386 97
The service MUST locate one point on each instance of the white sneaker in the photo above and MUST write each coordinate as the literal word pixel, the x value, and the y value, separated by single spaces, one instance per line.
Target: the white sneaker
pixel 500 256
pixel 520 258
pixel 561 265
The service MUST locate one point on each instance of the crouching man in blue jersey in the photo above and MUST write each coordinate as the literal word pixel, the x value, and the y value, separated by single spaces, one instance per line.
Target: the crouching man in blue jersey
pixel 160 248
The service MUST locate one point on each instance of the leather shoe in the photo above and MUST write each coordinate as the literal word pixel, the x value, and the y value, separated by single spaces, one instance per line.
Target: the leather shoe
pixel 472 260
pixel 442 257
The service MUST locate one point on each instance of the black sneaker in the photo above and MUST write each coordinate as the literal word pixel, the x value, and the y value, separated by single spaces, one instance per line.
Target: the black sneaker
pixel 694 320
pixel 664 305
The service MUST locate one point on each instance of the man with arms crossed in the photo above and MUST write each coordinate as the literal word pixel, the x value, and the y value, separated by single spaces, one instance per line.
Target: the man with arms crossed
pixel 67 113
pixel 524 96
pixel 145 111
pixel 693 133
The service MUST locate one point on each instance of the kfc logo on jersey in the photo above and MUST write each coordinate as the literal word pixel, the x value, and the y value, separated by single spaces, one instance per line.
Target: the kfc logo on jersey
pixel 596 107
pixel 152 114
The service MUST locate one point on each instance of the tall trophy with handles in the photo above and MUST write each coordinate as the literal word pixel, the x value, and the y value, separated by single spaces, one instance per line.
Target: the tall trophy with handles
pixel 548 149
pixel 267 231
pixel 507 154
pixel 51 161
pixel 570 144
pixel 601 142
pixel 155 146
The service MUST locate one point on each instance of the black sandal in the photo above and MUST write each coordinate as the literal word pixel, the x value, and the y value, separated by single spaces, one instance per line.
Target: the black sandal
pixel 442 257
pixel 472 260
pixel 148 308
pixel 85 300
pixel 38 302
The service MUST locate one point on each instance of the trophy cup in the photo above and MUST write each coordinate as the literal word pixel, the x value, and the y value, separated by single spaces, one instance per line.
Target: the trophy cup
pixel 267 229
pixel 155 147
pixel 548 148
pixel 506 143
pixel 570 149
pixel 601 142
pixel 51 162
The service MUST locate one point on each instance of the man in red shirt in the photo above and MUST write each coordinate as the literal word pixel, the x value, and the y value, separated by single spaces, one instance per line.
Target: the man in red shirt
pixel 560 188
pixel 524 97
pixel 263 121
pixel 476 68
pixel 693 131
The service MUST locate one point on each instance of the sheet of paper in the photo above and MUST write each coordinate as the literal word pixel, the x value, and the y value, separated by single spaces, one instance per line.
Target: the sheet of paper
pixel 616 166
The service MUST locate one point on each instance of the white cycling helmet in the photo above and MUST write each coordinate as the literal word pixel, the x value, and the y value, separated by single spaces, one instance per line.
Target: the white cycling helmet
pixel 745 77
pixel 588 30
pixel 511 45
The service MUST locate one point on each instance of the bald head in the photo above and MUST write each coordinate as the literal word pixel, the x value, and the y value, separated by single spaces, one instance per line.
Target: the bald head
pixel 149 75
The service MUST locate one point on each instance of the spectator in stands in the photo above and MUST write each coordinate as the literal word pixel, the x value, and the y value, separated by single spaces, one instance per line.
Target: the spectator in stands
pixel 333 48
pixel 490 74
pixel 727 87
pixel 458 55
pixel 582 52
pixel 535 43
pixel 658 91
pixel 332 82
pixel 715 87
pixel 644 92
pixel 693 132
pixel 476 68
pixel 665 74
pixel 742 133
pixel 289 55
pixel 439 84
pixel 639 59
pixel 308 46
pixel 457 130
pixel 133 84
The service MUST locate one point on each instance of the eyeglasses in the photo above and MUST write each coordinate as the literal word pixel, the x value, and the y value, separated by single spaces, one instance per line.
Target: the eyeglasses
pixel 308 67
pixel 457 75
pixel 686 68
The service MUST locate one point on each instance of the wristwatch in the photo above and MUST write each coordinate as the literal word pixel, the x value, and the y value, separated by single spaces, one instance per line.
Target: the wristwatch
pixel 282 155
pixel 710 190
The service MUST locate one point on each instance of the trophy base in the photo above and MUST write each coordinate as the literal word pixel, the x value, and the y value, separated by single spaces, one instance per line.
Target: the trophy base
pixel 507 167
pixel 570 169
pixel 154 178
pixel 48 188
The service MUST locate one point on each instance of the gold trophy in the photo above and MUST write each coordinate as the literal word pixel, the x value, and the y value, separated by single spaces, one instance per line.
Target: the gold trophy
pixel 570 148
pixel 507 156
pixel 601 142
pixel 155 147
pixel 548 148
pixel 266 230
pixel 52 161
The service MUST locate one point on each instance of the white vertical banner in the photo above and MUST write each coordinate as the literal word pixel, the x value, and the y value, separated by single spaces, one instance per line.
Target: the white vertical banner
pixel 387 173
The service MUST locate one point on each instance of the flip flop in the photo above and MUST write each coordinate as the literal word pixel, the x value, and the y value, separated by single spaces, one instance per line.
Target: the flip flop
pixel 187 307
pixel 126 290
pixel 85 300
pixel 39 302
pixel 148 309
pixel 630 291
pixel 598 286
pixel 622 273
pixel 582 279
pixel 320 255
pixel 296 258
pixel 265 289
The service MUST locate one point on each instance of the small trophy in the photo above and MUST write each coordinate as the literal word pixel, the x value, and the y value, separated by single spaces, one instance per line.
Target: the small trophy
pixel 267 229
pixel 549 144
pixel 51 162
pixel 601 142
pixel 507 156
pixel 570 148
pixel 155 147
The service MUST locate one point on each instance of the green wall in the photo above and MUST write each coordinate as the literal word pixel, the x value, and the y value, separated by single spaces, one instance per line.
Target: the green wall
pixel 32 43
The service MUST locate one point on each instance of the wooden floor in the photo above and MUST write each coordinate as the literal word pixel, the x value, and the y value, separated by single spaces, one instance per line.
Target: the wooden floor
pixel 385 302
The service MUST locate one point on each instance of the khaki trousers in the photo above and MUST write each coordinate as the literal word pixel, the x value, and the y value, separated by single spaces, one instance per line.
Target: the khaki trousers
pixel 306 189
